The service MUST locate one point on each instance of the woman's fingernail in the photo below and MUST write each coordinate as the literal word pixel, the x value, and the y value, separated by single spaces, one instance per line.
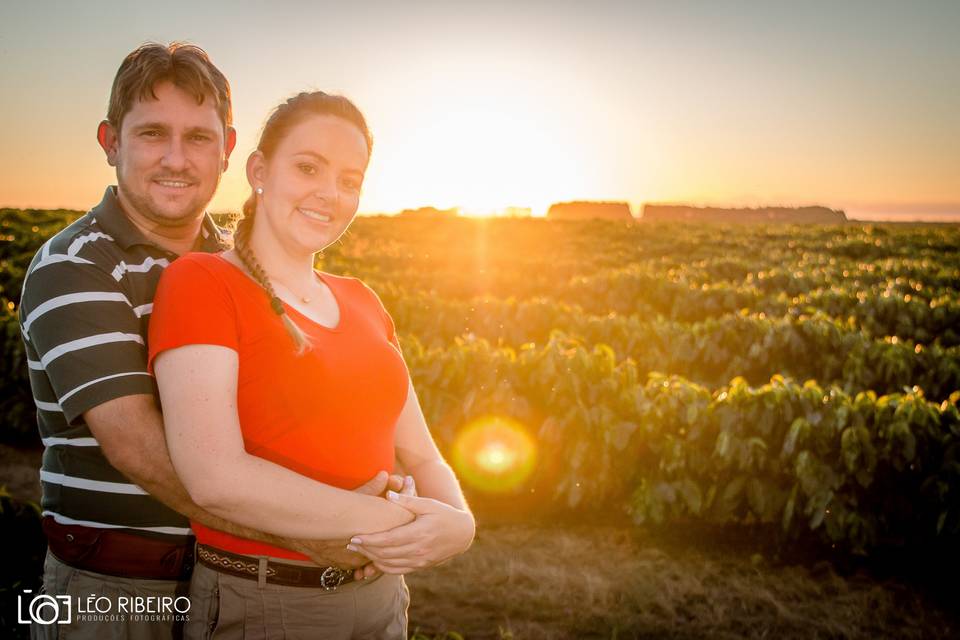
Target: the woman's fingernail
pixel 356 541
pixel 350 547
pixel 392 495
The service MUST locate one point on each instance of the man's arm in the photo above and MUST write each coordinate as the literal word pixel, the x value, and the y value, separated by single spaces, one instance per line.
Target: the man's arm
pixel 130 433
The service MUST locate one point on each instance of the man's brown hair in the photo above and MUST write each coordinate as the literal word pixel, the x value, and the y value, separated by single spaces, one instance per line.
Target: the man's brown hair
pixel 185 65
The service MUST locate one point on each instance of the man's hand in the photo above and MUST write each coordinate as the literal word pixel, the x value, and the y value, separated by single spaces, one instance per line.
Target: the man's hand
pixel 439 532
pixel 334 552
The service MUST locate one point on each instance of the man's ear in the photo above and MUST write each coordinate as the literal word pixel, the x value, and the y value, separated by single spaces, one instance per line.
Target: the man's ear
pixel 109 141
pixel 229 142
pixel 256 169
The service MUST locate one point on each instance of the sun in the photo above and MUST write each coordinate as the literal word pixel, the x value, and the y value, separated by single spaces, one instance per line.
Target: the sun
pixel 481 149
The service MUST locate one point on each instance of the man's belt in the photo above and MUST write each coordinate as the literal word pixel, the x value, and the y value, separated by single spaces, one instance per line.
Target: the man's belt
pixel 119 553
pixel 275 572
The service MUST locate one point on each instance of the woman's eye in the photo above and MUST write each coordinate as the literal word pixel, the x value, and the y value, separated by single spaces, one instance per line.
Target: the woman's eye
pixel 351 185
pixel 308 169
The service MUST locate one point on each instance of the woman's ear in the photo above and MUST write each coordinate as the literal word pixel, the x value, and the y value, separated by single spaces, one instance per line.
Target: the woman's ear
pixel 256 169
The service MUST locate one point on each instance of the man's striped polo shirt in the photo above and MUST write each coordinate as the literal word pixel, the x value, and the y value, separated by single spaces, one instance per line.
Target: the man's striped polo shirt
pixel 86 302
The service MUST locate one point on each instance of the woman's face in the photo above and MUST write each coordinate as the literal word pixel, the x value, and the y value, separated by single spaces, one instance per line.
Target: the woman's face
pixel 311 184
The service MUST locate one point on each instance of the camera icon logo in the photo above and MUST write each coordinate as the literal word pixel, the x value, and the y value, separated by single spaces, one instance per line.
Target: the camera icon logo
pixel 43 609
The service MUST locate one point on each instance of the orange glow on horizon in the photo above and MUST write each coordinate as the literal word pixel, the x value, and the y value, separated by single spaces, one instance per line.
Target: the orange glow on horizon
pixel 484 108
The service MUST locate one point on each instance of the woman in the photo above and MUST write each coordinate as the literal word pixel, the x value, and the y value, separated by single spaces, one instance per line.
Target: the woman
pixel 283 388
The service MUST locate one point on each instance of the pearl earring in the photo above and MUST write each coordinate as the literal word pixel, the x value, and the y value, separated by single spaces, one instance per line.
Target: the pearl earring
pixel 259 191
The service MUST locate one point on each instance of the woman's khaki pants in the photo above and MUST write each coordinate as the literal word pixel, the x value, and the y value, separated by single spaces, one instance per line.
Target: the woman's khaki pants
pixel 225 607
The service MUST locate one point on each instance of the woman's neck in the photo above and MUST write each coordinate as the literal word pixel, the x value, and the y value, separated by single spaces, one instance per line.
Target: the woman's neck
pixel 294 270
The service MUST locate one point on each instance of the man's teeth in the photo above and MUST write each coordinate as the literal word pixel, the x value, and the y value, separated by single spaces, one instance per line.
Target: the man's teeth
pixel 315 215
pixel 174 183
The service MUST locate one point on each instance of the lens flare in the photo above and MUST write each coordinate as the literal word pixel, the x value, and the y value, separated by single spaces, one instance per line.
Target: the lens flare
pixel 494 454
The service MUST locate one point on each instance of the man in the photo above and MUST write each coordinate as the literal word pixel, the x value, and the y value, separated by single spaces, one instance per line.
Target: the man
pixel 115 514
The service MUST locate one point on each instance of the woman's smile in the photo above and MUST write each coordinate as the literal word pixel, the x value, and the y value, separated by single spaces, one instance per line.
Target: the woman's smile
pixel 314 214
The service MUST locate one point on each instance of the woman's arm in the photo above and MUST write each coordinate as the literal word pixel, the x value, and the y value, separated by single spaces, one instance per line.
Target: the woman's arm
pixel 421 458
pixel 198 393
pixel 444 526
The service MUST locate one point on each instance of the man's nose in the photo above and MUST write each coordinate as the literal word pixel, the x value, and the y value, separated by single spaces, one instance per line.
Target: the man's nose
pixel 174 157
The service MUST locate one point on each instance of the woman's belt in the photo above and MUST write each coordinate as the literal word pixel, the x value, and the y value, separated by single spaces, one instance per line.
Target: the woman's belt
pixel 272 571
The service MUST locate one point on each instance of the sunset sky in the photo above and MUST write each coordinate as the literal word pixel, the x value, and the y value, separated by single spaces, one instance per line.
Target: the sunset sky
pixel 849 104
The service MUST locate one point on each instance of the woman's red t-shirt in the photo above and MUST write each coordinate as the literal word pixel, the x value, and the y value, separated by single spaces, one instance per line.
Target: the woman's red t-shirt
pixel 328 414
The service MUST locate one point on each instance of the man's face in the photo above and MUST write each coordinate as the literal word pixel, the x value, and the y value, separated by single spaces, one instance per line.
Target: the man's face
pixel 169 156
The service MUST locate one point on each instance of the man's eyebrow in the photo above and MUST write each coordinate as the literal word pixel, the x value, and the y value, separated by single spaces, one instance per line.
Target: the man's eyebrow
pixel 150 125
pixel 207 130
pixel 165 127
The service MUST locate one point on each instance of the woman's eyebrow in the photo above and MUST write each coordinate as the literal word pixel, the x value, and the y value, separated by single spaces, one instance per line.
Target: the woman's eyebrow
pixel 323 160
pixel 319 157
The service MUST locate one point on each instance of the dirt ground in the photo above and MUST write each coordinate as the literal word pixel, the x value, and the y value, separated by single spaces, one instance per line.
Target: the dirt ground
pixel 616 581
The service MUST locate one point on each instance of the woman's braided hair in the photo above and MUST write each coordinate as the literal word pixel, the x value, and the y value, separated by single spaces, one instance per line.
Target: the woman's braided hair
pixel 286 116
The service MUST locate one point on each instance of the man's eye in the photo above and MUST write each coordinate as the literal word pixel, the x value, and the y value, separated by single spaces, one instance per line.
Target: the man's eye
pixel 199 137
pixel 150 133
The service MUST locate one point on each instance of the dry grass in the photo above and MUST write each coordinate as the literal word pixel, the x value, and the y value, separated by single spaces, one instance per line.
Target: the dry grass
pixel 611 582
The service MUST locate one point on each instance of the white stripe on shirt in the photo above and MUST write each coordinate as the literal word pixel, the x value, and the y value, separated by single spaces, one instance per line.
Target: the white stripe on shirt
pixel 77 244
pixel 175 531
pixel 143 267
pixel 73 298
pixel 59 257
pixel 104 378
pixel 47 406
pixel 143 310
pixel 70 442
pixel 90 485
pixel 89 341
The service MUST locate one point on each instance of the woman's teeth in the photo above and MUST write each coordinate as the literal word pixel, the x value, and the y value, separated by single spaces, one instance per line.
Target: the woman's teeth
pixel 315 215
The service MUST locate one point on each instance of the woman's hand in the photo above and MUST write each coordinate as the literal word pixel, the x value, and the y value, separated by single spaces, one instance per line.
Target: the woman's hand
pixel 406 486
pixel 333 552
pixel 438 533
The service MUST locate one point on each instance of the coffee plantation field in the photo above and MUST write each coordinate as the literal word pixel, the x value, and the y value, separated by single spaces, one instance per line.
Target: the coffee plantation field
pixel 665 430
pixel 804 379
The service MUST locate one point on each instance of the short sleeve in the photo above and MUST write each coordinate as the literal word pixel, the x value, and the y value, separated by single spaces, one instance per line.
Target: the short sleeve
pixel 83 334
pixel 192 306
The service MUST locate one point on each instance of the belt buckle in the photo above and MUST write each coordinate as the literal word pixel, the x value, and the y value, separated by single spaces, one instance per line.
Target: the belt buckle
pixel 331 578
